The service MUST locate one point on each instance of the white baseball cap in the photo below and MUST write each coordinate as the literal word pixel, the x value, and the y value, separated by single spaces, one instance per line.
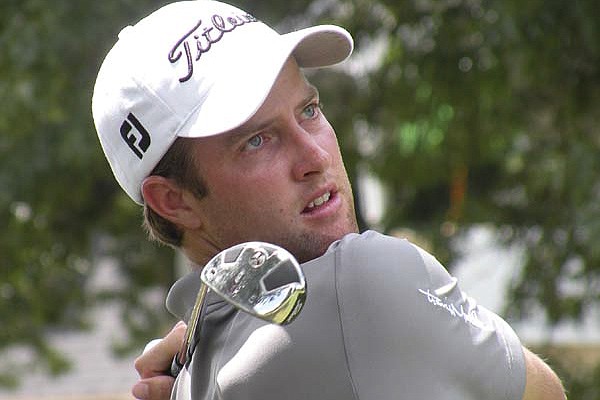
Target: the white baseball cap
pixel 193 69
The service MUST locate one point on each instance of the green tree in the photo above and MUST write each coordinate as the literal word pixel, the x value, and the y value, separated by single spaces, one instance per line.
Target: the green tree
pixel 58 198
pixel 487 111
pixel 469 111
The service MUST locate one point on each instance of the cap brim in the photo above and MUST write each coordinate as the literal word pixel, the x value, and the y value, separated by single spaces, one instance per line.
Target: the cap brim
pixel 248 78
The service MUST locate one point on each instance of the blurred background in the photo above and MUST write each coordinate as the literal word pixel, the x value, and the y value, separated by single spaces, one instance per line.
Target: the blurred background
pixel 470 126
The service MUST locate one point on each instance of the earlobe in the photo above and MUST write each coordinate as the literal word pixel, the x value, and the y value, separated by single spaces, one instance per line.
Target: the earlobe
pixel 169 201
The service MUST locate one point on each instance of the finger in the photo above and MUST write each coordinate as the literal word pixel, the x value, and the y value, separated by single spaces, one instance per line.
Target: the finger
pixel 157 388
pixel 157 358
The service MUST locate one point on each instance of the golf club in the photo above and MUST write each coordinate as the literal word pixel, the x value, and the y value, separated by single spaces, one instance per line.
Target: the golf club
pixel 262 279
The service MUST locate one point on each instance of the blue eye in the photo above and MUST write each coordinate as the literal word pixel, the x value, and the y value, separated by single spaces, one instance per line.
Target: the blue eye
pixel 255 141
pixel 311 110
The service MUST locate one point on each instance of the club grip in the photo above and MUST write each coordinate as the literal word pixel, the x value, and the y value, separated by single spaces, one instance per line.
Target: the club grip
pixel 176 367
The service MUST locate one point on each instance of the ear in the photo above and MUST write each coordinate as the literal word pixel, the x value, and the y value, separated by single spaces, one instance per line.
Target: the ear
pixel 170 201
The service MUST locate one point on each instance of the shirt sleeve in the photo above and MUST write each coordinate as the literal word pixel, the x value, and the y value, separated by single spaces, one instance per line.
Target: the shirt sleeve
pixel 410 332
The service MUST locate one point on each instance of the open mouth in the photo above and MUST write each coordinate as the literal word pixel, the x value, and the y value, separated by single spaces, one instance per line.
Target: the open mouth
pixel 318 202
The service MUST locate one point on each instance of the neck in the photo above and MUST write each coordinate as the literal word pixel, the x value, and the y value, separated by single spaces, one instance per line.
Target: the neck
pixel 199 250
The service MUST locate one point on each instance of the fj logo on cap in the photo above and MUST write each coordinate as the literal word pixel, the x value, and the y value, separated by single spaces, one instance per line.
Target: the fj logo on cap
pixel 205 37
pixel 138 140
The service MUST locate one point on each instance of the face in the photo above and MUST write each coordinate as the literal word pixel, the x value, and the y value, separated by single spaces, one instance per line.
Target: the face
pixel 278 178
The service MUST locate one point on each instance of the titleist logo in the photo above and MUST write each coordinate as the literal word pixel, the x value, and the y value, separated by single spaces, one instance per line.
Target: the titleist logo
pixel 201 38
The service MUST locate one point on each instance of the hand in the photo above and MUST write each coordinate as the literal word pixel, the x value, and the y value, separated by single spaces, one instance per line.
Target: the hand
pixel 153 364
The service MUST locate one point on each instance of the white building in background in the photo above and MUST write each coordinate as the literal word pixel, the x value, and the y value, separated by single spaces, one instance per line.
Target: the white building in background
pixel 485 274
pixel 96 373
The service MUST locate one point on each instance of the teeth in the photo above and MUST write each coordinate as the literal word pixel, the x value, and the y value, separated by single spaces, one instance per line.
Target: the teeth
pixel 319 200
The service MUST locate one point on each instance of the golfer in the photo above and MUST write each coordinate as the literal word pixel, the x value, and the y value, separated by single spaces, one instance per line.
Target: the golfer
pixel 208 122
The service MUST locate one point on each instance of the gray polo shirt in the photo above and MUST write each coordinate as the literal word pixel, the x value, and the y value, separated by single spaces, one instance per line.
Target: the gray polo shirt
pixel 383 320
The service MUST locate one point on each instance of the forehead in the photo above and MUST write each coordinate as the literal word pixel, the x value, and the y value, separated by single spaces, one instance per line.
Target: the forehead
pixel 291 90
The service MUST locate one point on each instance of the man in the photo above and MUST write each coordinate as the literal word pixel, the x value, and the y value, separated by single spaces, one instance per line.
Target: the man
pixel 208 121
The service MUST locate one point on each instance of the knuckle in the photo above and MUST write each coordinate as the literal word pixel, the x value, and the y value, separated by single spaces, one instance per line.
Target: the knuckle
pixel 141 367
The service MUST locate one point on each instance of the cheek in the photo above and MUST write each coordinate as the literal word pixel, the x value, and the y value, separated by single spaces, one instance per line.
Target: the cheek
pixel 255 190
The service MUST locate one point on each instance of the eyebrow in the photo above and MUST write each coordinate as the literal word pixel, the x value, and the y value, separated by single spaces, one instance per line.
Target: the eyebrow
pixel 312 93
pixel 243 130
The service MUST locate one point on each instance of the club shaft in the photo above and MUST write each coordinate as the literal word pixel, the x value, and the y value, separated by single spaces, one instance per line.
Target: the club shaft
pixel 193 325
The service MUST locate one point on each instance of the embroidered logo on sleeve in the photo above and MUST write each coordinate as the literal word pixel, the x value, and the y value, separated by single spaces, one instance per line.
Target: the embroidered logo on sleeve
pixel 457 312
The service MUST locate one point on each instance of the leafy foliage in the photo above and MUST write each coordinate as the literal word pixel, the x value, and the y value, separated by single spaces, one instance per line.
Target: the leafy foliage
pixel 469 111
pixel 58 196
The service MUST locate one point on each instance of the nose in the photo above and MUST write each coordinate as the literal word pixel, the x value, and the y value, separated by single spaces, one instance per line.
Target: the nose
pixel 309 153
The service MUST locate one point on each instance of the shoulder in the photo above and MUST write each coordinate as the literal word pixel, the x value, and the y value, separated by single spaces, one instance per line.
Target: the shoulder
pixel 373 253
pixel 392 293
pixel 374 247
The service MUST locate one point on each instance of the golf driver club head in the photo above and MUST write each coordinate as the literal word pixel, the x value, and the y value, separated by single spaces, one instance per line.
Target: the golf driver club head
pixel 259 278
